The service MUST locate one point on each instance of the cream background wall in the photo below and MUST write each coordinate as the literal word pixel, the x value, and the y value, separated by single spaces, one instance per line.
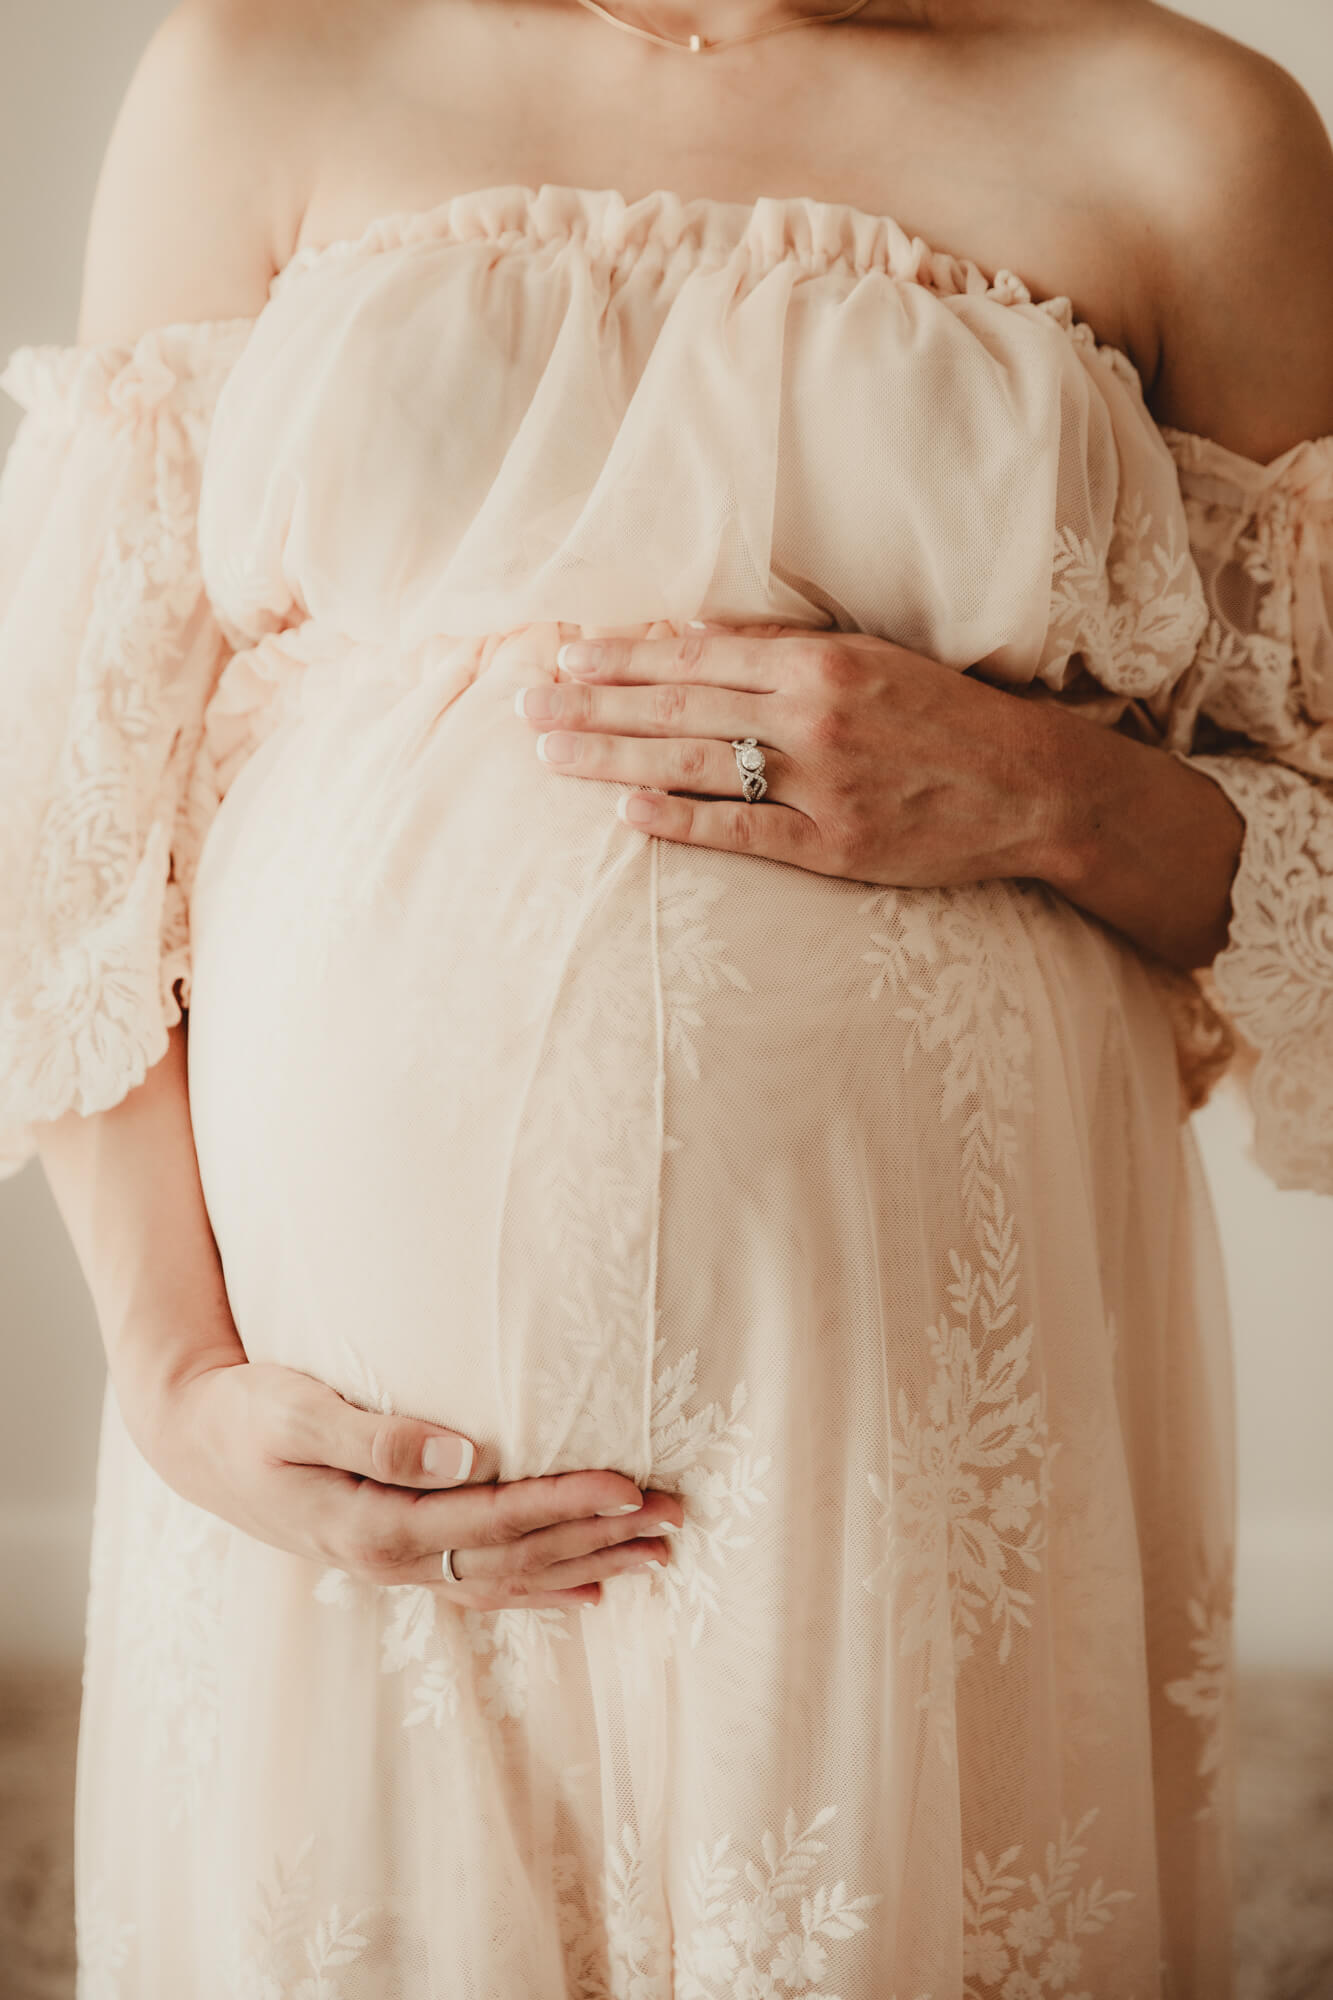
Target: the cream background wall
pixel 63 67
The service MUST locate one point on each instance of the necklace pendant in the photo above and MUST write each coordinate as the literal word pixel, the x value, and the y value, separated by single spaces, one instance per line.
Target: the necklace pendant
pixel 696 45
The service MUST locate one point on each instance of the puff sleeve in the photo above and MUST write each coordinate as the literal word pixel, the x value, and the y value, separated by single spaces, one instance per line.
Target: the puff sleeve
pixel 1255 713
pixel 109 650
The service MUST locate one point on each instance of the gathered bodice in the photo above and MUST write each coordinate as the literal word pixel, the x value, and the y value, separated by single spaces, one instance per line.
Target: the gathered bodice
pixel 555 407
pixel 554 404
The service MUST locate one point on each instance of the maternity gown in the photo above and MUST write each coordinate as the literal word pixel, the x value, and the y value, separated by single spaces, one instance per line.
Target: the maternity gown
pixel 869 1221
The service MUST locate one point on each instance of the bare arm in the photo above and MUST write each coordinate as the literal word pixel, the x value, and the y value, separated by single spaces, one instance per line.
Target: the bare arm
pixel 126 1183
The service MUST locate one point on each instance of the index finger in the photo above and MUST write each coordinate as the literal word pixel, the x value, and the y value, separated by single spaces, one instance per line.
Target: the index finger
pixel 754 664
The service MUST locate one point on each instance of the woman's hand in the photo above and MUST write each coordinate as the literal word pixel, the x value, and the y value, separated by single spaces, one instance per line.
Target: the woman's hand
pixel 881 765
pixel 884 766
pixel 288 1460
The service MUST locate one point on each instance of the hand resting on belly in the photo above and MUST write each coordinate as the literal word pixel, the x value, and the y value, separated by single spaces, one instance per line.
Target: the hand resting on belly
pixel 277 1453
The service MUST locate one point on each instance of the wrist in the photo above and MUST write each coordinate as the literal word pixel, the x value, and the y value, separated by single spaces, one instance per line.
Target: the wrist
pixel 1134 836
pixel 1054 796
pixel 153 1363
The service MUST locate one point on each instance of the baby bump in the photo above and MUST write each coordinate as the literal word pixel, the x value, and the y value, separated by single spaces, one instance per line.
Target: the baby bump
pixel 485 1083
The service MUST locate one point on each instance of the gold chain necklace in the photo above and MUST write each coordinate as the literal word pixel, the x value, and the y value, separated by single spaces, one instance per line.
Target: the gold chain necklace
pixel 697 46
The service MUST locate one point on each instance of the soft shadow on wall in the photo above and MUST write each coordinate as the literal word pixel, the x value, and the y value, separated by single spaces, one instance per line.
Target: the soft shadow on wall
pixel 55 112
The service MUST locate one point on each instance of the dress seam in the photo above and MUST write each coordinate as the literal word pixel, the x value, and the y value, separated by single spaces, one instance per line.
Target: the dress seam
pixel 659 1134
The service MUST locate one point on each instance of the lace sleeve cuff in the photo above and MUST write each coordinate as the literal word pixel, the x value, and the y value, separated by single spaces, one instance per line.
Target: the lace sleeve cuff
pixel 1274 978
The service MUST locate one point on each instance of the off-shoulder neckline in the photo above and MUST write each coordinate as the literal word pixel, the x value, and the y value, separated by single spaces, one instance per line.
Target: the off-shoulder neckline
pixel 771 228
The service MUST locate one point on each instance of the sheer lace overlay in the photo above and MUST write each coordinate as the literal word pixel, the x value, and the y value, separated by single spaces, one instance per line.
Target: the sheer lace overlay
pixel 109 650
pixel 1259 704
pixel 864 1219
pixel 1214 617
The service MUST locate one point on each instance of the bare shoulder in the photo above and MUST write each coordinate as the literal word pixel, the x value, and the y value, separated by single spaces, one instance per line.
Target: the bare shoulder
pixel 1228 173
pixel 202 185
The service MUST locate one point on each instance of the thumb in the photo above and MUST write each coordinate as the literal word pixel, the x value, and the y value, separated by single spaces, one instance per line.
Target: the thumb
pixel 397 1451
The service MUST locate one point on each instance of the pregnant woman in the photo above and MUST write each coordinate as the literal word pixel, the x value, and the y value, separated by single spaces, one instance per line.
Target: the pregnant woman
pixel 638 790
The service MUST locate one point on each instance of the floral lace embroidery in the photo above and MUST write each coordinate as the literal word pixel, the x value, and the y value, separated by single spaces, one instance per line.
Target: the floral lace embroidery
pixel 1020 1950
pixel 637 1937
pixel 1262 538
pixel 693 962
pixel 1206 1693
pixel 102 854
pixel 954 1537
pixel 944 955
pixel 1275 975
pixel 289 1957
pixel 748 1947
pixel 418 1628
pixel 1134 613
pixel 948 1528
pixel 704 1457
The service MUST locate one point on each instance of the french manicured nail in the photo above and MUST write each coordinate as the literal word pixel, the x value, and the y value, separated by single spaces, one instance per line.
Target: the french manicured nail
pixel 447 1458
pixel 580 656
pixel 539 704
pixel 609 1513
pixel 558 746
pixel 638 808
pixel 696 624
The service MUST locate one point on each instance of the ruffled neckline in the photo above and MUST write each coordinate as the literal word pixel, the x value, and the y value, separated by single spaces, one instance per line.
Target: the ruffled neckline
pixel 701 231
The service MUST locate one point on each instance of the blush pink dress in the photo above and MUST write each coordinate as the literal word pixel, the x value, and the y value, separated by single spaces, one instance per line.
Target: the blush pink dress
pixel 867 1220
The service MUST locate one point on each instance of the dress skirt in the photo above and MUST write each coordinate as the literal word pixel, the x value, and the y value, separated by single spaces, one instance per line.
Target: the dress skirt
pixel 864 1220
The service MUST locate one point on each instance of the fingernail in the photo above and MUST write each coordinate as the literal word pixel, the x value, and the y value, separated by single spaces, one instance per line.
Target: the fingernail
pixel 447 1458
pixel 538 704
pixel 580 656
pixel 637 808
pixel 696 624
pixel 668 1528
pixel 558 747
pixel 630 1507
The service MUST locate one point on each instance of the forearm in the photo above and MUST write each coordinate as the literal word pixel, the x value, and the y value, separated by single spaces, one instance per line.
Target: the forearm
pixel 126 1182
pixel 1135 837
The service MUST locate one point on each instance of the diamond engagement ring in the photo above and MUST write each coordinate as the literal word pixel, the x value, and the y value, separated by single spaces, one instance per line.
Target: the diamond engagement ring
pixel 750 764
pixel 447 1566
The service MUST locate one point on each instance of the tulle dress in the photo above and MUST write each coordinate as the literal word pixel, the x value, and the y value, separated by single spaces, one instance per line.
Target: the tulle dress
pixel 868 1221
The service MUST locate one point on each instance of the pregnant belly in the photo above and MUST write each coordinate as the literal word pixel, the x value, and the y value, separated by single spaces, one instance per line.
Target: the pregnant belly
pixel 481 1077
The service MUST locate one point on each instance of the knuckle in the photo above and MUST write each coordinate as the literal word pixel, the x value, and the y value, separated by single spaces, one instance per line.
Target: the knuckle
pixel 506 1519
pixel 282 1433
pixel 691 759
pixel 371 1556
pixel 829 663
pixel 391 1452
pixel 372 1540
pixel 285 1419
pixel 741 826
pixel 828 727
pixel 668 702
pixel 849 846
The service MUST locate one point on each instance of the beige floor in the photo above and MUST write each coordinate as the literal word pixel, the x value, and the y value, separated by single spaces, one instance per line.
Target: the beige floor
pixel 1285 1928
